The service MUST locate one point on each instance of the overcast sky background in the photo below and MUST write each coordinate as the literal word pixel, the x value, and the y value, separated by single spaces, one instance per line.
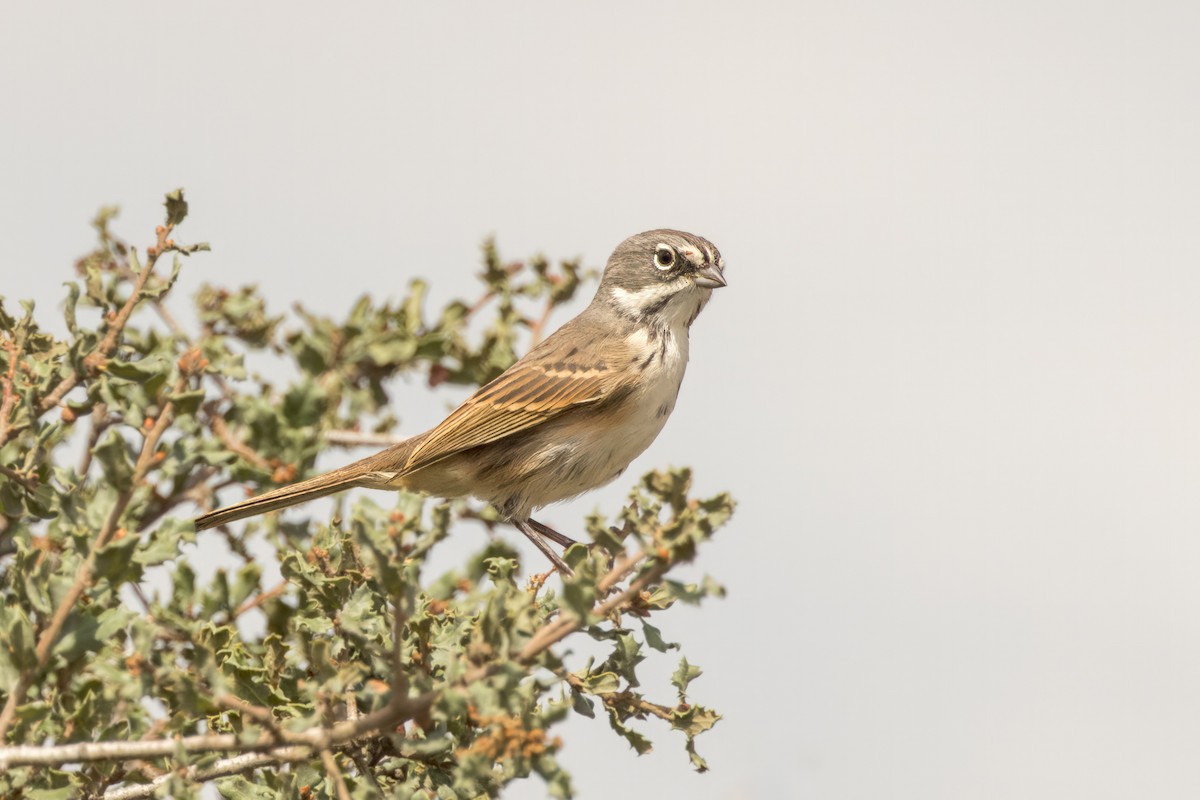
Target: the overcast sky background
pixel 953 382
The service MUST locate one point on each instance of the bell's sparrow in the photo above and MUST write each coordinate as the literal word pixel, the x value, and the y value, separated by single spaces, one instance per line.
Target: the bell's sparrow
pixel 566 418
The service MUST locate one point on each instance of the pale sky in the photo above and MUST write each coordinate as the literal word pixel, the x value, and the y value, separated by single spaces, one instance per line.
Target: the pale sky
pixel 953 383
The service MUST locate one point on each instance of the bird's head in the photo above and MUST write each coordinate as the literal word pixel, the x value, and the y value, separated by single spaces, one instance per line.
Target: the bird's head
pixel 662 275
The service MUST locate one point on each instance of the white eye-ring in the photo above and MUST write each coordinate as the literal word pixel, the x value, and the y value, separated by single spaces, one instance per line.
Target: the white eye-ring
pixel 664 256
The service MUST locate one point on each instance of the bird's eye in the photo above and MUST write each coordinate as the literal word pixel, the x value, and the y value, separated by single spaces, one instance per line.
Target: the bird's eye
pixel 664 256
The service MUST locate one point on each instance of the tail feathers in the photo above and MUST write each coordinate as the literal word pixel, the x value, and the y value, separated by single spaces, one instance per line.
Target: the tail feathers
pixel 320 486
pixel 379 471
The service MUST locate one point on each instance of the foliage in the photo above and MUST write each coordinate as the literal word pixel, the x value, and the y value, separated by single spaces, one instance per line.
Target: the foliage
pixel 367 673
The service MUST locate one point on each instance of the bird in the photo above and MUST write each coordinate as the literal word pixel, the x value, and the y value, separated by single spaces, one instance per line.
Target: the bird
pixel 566 418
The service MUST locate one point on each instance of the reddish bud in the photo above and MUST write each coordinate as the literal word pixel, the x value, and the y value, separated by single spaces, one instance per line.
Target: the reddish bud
pixel 437 375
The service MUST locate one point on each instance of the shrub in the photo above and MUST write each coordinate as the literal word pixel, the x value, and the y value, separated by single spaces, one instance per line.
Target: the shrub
pixel 360 673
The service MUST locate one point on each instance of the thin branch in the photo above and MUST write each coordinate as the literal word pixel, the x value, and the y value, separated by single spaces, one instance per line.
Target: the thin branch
pixel 217 423
pixel 480 303
pixel 100 422
pixel 9 398
pixel 26 481
pixel 165 314
pixel 399 676
pixel 259 714
pixel 187 493
pixel 335 774
pixel 621 570
pixel 141 596
pixel 109 343
pixel 563 626
pixel 538 327
pixel 35 755
pixel 364 770
pixel 189 343
pixel 346 438
pixel 627 699
pixel 260 598
pixel 234 765
pixel 398 709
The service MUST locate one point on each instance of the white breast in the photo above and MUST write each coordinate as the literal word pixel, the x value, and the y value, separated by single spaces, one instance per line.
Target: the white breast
pixel 653 400
pixel 582 456
pixel 659 387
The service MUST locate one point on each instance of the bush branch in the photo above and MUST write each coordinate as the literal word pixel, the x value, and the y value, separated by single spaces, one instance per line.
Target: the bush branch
pixel 564 626
pixel 279 743
pixel 108 344
pixel 83 577
pixel 360 439
pixel 334 773
pixel 8 399
pixel 234 765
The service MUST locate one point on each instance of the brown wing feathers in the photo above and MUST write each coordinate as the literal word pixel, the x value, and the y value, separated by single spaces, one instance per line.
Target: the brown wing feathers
pixel 519 399
pixel 528 394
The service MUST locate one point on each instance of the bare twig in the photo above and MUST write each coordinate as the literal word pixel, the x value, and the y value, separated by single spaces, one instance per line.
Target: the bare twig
pixel 226 766
pixel 99 423
pixel 16 477
pixel 359 439
pixel 335 774
pixel 165 314
pixel 480 303
pixel 141 596
pixel 538 328
pixel 399 678
pixel 82 752
pixel 259 714
pixel 189 492
pixel 217 423
pixel 364 770
pixel 397 710
pixel 260 598
pixel 621 570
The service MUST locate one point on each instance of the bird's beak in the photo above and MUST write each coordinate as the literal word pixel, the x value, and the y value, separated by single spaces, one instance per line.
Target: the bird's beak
pixel 709 278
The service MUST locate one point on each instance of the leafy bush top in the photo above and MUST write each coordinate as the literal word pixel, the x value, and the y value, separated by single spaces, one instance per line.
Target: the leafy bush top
pixel 362 671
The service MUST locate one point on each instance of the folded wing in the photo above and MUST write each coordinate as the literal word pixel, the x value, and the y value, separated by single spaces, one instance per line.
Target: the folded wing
pixel 526 395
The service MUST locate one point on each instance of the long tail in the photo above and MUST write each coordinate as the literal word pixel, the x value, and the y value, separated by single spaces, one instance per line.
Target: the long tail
pixel 376 471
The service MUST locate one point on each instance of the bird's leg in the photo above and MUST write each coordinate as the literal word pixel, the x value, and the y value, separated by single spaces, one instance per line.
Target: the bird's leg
pixel 551 534
pixel 532 533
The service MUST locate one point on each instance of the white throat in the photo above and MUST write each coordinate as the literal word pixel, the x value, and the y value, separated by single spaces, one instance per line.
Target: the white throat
pixel 667 305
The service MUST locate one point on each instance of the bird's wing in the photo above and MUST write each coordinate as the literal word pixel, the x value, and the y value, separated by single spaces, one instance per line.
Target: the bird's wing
pixel 529 393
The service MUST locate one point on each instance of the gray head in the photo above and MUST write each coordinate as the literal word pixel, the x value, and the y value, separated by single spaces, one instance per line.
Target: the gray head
pixel 663 274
